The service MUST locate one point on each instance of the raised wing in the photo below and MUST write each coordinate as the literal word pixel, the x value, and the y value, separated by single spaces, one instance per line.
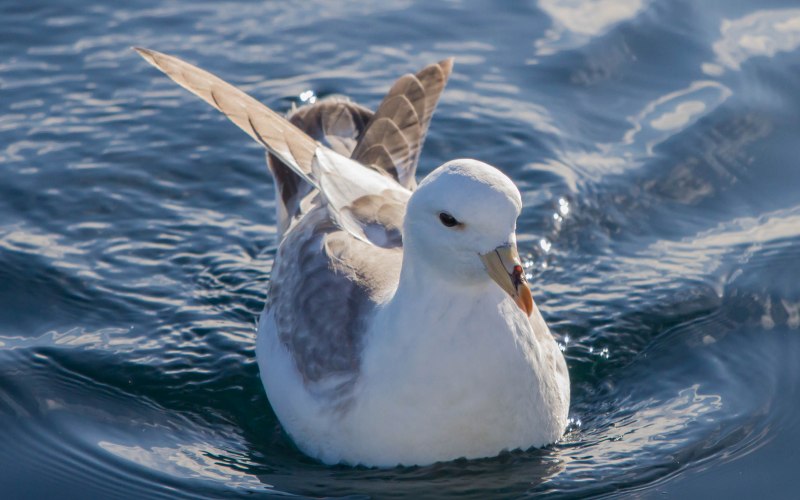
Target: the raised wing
pixel 290 144
pixel 343 183
pixel 394 136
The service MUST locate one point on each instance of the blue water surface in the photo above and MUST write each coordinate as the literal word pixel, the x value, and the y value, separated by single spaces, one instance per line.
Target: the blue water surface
pixel 657 147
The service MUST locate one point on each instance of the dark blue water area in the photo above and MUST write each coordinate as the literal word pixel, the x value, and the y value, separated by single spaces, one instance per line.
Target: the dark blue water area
pixel 656 147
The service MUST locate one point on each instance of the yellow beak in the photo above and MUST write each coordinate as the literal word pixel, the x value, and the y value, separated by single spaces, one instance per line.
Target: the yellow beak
pixel 504 267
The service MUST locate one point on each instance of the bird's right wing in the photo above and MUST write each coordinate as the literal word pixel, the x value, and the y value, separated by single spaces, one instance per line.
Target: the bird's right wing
pixel 274 132
pixel 351 191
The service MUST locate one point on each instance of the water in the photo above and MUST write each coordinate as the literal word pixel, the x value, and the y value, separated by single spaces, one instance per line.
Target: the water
pixel 655 144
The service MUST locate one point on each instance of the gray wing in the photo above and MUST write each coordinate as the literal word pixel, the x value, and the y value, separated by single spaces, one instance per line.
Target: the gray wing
pixel 394 136
pixel 324 286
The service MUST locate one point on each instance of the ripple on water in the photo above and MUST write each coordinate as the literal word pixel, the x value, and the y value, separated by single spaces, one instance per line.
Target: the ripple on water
pixel 654 144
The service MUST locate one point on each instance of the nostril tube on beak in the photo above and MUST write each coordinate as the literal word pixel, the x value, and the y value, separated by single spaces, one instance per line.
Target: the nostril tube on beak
pixel 503 266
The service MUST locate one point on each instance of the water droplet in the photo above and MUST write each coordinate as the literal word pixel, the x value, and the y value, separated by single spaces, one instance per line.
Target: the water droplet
pixel 563 206
pixel 574 423
pixel 308 96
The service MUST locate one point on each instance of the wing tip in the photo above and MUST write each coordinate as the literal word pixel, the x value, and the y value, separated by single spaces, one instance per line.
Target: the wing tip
pixel 437 73
pixel 446 65
pixel 148 55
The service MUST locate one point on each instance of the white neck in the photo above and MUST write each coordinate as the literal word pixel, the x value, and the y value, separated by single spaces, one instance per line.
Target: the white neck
pixel 425 292
pixel 435 327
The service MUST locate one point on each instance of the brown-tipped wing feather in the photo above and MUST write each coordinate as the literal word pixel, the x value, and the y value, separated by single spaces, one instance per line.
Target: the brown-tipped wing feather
pixel 433 78
pixel 290 144
pixel 393 138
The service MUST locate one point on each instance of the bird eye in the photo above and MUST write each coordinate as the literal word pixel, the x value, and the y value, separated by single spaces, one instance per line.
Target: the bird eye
pixel 447 219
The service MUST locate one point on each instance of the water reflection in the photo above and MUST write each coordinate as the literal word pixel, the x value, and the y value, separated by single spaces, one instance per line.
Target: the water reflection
pixel 662 424
pixel 659 120
pixel 671 113
pixel 576 22
pixel 762 33
pixel 504 107
pixel 186 461
pixel 704 253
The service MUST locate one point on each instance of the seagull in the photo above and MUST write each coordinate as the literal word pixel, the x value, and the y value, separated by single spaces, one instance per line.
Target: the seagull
pixel 399 328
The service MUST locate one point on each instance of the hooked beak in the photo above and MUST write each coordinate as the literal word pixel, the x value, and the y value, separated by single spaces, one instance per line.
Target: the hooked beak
pixel 505 268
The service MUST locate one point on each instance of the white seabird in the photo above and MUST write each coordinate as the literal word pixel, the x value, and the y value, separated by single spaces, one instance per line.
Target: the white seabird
pixel 398 327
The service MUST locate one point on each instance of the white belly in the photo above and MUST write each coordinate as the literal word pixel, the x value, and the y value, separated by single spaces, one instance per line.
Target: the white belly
pixel 471 395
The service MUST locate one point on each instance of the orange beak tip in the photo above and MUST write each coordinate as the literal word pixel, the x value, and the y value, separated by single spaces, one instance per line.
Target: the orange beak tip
pixel 524 299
